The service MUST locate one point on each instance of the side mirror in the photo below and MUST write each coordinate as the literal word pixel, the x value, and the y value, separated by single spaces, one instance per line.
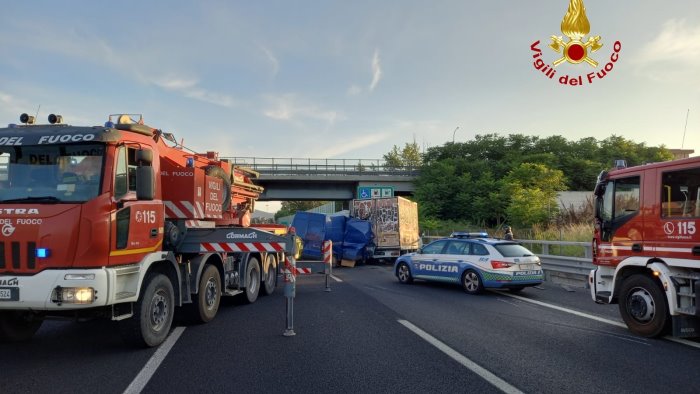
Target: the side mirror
pixel 145 157
pixel 145 185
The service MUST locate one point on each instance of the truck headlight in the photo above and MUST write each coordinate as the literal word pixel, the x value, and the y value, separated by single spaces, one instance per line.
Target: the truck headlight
pixel 73 295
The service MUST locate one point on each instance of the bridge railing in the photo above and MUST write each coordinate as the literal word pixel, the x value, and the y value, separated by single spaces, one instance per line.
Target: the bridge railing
pixel 310 166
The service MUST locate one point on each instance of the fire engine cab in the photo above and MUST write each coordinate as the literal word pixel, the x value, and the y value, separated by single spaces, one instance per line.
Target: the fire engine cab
pixel 120 221
pixel 646 246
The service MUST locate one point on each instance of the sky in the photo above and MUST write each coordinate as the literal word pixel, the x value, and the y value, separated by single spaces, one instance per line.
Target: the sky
pixel 351 79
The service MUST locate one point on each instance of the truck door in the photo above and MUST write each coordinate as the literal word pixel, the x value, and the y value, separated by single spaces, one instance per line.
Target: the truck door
pixel 137 225
pixel 622 225
pixel 676 233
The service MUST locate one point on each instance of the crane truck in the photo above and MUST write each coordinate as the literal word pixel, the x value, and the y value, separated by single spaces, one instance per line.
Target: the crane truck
pixel 646 246
pixel 121 222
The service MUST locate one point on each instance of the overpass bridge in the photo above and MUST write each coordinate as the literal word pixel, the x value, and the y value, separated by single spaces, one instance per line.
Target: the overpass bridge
pixel 298 179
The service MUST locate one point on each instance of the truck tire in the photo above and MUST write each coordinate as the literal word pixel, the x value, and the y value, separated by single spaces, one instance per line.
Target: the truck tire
pixel 153 313
pixel 219 172
pixel 270 276
pixel 252 280
pixel 643 306
pixel 18 326
pixel 208 298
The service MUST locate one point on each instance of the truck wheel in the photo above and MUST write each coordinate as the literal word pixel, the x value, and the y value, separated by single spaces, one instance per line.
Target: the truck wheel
pixel 153 313
pixel 270 276
pixel 18 326
pixel 206 305
pixel 252 280
pixel 643 306
pixel 471 282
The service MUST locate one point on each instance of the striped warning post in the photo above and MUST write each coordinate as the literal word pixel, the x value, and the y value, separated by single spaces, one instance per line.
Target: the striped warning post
pixel 327 250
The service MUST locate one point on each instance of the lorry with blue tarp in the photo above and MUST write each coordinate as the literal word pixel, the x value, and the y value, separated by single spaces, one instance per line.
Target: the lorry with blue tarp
pixel 352 238
pixel 311 227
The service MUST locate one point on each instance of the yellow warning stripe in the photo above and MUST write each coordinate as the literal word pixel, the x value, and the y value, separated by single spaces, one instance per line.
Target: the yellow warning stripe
pixel 135 251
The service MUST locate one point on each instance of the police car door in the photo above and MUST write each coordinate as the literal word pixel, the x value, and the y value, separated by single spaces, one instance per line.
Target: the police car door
pixel 428 258
pixel 453 258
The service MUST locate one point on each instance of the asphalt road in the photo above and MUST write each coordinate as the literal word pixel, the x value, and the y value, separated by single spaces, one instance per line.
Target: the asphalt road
pixel 369 334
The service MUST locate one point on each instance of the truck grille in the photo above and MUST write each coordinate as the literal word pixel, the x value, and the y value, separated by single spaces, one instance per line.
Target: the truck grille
pixel 17 256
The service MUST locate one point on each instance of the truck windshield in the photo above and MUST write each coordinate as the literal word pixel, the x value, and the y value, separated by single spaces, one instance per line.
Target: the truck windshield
pixel 50 173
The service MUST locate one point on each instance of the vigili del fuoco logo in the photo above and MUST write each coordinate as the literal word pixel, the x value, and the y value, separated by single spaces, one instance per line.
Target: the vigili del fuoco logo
pixel 576 50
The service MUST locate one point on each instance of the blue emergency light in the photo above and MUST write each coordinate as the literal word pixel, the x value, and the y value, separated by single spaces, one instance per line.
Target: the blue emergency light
pixel 42 253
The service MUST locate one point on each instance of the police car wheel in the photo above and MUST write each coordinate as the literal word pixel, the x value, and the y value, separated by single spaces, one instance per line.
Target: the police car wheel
pixel 404 273
pixel 471 282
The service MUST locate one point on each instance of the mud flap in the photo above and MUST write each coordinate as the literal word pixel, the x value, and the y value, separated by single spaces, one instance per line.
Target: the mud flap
pixel 685 326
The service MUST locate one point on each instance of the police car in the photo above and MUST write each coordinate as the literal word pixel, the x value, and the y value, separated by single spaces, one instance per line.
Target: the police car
pixel 474 261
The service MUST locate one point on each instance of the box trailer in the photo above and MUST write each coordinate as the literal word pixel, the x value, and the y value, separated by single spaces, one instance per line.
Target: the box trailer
pixel 394 224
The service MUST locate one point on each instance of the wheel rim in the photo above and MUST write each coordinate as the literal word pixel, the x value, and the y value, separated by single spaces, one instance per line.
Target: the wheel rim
pixel 640 305
pixel 253 282
pixel 471 281
pixel 211 295
pixel 159 310
pixel 403 273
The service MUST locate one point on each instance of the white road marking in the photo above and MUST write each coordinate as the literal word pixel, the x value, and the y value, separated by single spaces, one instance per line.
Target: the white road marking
pixel 571 311
pixel 683 342
pixel 154 362
pixel 335 278
pixel 467 363
pixel 600 319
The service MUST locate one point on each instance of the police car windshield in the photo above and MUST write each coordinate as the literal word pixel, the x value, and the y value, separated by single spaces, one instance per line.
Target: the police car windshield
pixel 50 173
pixel 512 250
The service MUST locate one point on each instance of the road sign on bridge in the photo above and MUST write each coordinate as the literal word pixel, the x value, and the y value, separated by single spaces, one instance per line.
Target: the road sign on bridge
pixel 369 192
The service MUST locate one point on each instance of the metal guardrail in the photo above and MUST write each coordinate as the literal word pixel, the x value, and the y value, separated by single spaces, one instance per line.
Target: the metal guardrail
pixel 559 269
pixel 321 167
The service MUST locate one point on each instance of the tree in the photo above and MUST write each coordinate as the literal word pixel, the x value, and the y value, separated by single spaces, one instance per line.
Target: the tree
pixel 409 156
pixel 533 190
pixel 292 207
pixel 493 177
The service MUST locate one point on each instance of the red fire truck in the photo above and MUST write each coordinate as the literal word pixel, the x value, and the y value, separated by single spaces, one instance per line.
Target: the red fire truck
pixel 121 221
pixel 646 246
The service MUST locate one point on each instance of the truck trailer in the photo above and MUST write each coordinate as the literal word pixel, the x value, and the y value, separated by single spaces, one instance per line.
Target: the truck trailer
pixel 394 224
pixel 121 222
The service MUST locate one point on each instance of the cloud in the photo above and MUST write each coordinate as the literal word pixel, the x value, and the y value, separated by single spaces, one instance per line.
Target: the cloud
pixel 291 108
pixel 188 87
pixel 354 90
pixel 677 42
pixel 273 60
pixel 11 104
pixel 351 144
pixel 376 71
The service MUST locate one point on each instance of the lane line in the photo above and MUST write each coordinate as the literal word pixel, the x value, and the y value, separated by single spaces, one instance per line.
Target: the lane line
pixel 335 278
pixel 683 342
pixel 571 311
pixel 154 362
pixel 467 363
pixel 600 319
